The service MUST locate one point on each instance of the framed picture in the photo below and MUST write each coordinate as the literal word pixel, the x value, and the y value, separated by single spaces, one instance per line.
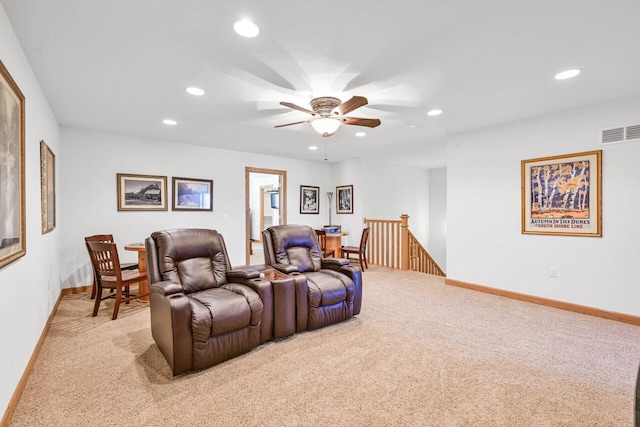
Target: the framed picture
pixel 344 199
pixel 47 188
pixel 192 194
pixel 142 192
pixel 13 235
pixel 563 195
pixel 309 199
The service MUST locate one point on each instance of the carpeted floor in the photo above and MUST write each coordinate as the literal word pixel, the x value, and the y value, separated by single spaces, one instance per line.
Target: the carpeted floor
pixel 421 353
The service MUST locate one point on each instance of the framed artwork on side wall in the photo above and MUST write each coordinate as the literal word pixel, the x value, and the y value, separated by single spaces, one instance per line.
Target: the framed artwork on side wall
pixel 562 195
pixel 47 187
pixel 192 194
pixel 13 241
pixel 142 192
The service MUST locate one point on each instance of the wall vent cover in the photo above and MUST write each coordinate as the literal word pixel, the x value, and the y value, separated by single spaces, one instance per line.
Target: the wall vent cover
pixel 621 134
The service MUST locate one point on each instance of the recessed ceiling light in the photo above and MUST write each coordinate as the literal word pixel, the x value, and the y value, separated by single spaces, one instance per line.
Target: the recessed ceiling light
pixel 169 122
pixel 361 134
pixel 246 28
pixel 567 74
pixel 434 112
pixel 195 91
pixel 313 147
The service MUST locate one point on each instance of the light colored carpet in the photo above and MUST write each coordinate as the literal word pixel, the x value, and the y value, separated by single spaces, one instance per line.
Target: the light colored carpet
pixel 421 353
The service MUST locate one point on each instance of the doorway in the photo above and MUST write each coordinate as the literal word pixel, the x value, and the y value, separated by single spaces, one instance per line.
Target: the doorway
pixel 265 205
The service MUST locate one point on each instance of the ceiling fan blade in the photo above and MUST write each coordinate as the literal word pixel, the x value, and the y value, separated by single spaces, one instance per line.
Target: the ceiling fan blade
pixel 362 122
pixel 296 107
pixel 289 124
pixel 352 104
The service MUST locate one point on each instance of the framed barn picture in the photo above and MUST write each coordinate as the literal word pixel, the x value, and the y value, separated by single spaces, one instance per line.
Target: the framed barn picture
pixel 142 192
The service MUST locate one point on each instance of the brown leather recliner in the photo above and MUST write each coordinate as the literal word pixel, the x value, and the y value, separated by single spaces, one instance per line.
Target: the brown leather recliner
pixel 328 290
pixel 202 312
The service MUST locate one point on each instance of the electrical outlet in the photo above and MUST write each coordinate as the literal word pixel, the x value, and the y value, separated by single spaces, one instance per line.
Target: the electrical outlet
pixel 553 272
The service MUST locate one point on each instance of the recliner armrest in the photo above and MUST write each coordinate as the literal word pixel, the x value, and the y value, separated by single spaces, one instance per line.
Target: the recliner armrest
pixel 334 263
pixel 166 288
pixel 171 325
pixel 262 287
pixel 242 274
pixel 285 268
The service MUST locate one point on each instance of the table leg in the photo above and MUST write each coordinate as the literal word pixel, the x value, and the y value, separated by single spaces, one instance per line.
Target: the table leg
pixel 143 286
pixel 335 243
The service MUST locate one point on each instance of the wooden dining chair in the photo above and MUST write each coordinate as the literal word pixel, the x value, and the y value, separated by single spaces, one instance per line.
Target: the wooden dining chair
pixel 107 238
pixel 109 274
pixel 360 250
pixel 322 242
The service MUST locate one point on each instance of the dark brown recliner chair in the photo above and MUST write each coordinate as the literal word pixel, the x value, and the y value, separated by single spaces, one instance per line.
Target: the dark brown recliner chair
pixel 202 312
pixel 328 290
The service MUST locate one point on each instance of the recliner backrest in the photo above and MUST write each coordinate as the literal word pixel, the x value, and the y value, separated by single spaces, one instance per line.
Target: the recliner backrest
pixel 295 245
pixel 195 258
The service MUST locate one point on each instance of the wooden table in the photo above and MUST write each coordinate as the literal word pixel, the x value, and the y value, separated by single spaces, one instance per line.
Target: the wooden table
pixel 334 241
pixel 143 286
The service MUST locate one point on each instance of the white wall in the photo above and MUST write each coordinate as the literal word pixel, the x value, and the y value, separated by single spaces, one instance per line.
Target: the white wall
pixel 88 198
pixel 437 246
pixel 485 245
pixel 392 189
pixel 30 285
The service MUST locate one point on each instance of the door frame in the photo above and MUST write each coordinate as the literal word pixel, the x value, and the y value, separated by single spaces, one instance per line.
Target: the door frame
pixel 282 180
pixel 263 189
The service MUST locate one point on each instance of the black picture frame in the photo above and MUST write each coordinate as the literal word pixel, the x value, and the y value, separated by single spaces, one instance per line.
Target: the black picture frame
pixel 344 199
pixel 309 199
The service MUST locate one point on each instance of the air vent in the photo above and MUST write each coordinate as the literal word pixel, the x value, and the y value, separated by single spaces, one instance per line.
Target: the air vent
pixel 633 132
pixel 621 134
pixel 612 135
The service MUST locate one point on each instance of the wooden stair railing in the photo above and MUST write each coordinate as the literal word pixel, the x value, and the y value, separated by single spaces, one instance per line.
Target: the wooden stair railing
pixel 392 245
pixel 420 260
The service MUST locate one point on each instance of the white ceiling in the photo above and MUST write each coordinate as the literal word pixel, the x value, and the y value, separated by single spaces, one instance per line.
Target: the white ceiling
pixel 122 66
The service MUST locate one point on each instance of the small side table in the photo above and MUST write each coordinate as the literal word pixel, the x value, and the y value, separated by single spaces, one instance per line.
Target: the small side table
pixel 143 286
pixel 284 302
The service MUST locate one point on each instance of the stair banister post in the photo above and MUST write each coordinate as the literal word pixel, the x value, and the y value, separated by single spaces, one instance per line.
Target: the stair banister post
pixel 404 242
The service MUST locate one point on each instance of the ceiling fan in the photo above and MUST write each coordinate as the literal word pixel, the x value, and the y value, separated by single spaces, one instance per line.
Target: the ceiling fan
pixel 329 113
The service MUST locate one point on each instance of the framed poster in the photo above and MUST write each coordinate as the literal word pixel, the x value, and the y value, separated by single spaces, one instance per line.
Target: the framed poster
pixel 562 195
pixel 344 199
pixel 47 187
pixel 309 199
pixel 13 235
pixel 142 192
pixel 192 194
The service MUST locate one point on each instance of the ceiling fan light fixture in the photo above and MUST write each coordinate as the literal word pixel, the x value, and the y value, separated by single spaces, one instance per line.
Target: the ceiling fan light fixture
pixel 246 28
pixel 326 126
